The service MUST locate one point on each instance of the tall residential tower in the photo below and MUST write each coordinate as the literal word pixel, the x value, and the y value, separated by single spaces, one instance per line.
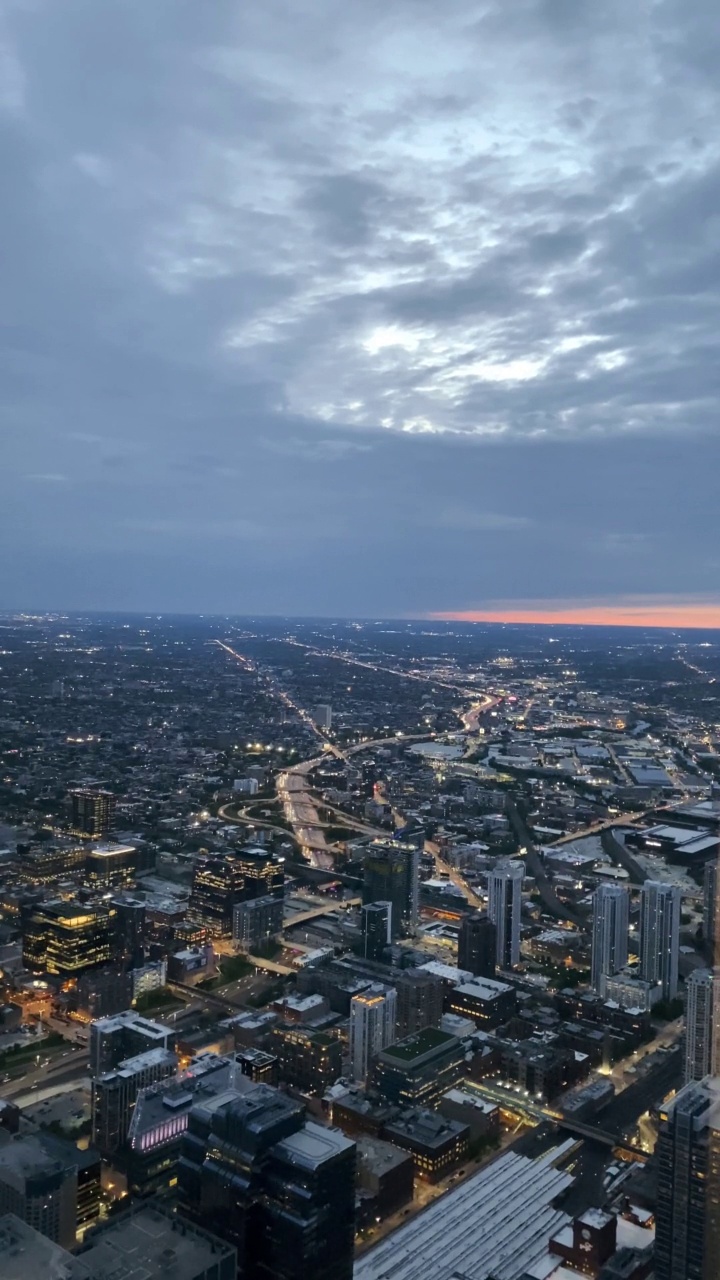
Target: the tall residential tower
pixel 504 906
pixel 611 920
pixel 660 935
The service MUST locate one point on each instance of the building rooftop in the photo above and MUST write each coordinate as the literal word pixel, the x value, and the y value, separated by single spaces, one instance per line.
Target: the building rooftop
pixel 302 1004
pixel 141 1062
pixel 473 1100
pixel 485 989
pixel 448 972
pixel 110 850
pixel 427 1127
pixel 208 1078
pixel 498 1222
pixel 130 1018
pixel 313 1144
pixel 24 1155
pixel 25 1253
pixel 422 1042
pixel 379 1156
pixel 147 1243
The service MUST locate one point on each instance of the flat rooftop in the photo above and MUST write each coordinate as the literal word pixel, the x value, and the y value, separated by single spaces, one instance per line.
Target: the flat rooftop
pixel 313 1144
pixel 498 1223
pixel 421 1043
pixel 149 1243
pixel 24 1252
pixel 25 1156
pixel 485 989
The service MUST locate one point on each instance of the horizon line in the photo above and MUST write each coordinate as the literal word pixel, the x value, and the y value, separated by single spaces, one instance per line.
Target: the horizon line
pixel 654 612
pixel 658 612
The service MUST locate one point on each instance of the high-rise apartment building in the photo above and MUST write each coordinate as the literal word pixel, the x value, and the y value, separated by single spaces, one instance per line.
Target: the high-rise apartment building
pixel 257 922
pixel 115 1093
pixel 477 945
pixel 323 716
pixel 687 1218
pixel 698 1025
pixel 125 1035
pixel 660 935
pixel 160 1117
pixel 373 1015
pixel 505 884
pixel 391 873
pixel 309 1060
pixel 93 813
pixel 710 879
pixel 130 929
pixel 279 1188
pixel 419 1001
pixel 610 926
pixel 375 929
pixel 66 938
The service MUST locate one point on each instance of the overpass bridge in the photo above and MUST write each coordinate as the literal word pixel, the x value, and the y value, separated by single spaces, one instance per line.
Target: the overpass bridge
pixel 603 1136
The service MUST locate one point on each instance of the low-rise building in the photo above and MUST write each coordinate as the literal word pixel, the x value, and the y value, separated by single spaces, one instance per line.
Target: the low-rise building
pixel 437 1144
pixel 418 1070
pixel 488 1002
pixel 385 1176
pixel 481 1117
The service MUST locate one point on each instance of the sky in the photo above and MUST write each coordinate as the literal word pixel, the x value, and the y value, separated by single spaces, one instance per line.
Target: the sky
pixel 381 309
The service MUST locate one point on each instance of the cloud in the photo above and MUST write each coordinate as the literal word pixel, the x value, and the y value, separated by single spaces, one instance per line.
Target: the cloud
pixel 471 521
pixel 337 271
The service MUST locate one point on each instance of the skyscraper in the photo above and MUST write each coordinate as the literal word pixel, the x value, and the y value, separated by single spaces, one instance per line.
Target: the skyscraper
pixel 278 1187
pixel 504 907
pixel 698 1025
pixel 660 935
pixel 263 873
pixel 376 929
pixel 372 1027
pixel 323 716
pixel 92 813
pixel 477 945
pixel 611 918
pixel 687 1239
pixel 391 874
pixel 710 878
pixel 218 884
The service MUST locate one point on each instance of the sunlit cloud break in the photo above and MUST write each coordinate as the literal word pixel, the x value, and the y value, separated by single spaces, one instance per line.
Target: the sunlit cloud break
pixel 623 611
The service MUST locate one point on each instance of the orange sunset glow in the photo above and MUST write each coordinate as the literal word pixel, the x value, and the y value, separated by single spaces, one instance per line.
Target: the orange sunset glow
pixel 623 612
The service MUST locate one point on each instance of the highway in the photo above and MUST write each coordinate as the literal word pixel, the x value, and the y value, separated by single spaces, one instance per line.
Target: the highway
pixel 550 900
pixel 71 1065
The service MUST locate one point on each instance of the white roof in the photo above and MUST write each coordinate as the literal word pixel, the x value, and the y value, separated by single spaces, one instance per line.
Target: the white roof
pixel 498 1222
pixel 485 989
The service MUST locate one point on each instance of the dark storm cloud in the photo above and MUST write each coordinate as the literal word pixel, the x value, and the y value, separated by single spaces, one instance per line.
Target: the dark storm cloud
pixel 313 307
